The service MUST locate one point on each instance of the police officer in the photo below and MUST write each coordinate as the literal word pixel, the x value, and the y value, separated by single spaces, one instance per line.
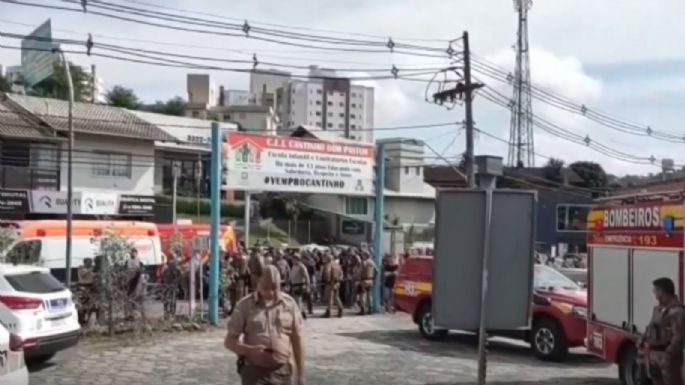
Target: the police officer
pixel 331 275
pixel 283 269
pixel 255 264
pixel 240 276
pixel 663 341
pixel 265 332
pixel 171 279
pixel 299 282
pixel 368 274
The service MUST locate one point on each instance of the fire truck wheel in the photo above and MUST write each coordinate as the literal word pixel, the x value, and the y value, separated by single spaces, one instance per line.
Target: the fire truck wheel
pixel 548 340
pixel 627 367
pixel 427 326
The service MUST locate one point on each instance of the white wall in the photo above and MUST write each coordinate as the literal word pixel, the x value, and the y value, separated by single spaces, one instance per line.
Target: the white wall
pixel 142 164
pixel 410 210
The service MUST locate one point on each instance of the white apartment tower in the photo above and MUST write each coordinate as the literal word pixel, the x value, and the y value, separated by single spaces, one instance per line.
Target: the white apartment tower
pixel 328 103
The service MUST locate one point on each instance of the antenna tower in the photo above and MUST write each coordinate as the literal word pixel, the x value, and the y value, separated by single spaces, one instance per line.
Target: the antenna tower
pixel 521 148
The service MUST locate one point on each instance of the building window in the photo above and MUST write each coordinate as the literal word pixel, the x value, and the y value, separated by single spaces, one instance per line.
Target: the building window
pixel 354 105
pixel 356 206
pixel 418 170
pixel 330 125
pixel 318 92
pixel 572 217
pixel 318 113
pixel 342 115
pixel 330 103
pixel 111 164
pixel 354 126
pixel 341 125
pixel 196 114
pixel 342 104
pixel 227 117
pixel 406 170
pixel 318 102
pixel 353 116
pixel 318 124
pixel 354 95
pixel 330 114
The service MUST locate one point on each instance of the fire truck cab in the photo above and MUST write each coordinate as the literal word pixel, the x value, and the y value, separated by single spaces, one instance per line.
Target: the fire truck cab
pixel 632 240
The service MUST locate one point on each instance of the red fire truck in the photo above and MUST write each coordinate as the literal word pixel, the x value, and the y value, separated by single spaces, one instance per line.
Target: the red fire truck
pixel 632 240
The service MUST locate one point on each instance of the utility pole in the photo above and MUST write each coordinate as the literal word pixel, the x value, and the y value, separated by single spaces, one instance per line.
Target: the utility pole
pixel 468 109
pixel 175 171
pixel 70 182
pixel 464 91
pixel 93 85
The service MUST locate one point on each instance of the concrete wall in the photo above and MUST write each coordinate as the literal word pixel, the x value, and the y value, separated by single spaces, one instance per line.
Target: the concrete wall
pixel 410 210
pixel 141 180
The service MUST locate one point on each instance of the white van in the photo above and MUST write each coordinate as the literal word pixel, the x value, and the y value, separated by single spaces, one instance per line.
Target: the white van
pixel 43 243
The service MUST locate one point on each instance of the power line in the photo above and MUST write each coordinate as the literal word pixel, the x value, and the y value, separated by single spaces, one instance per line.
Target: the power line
pixel 164 62
pixel 143 121
pixel 159 6
pixel 558 131
pixel 246 52
pixel 248 32
pixel 488 69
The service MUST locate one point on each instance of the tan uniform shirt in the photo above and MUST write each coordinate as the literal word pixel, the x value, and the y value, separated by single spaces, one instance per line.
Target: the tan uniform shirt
pixel 85 275
pixel 331 274
pixel 299 274
pixel 368 270
pixel 268 325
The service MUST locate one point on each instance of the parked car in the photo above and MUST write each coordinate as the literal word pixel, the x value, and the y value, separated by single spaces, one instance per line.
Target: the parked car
pixel 559 308
pixel 37 308
pixel 578 276
pixel 12 366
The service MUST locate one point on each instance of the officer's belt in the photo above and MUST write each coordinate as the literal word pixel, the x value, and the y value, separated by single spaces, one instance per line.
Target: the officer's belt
pixel 658 348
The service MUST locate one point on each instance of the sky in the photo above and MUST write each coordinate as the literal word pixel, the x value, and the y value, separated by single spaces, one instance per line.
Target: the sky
pixel 622 57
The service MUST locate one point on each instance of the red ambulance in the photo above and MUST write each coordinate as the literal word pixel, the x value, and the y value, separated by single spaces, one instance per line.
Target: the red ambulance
pixel 632 240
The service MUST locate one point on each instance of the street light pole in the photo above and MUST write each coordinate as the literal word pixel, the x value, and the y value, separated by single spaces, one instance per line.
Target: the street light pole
pixel 70 184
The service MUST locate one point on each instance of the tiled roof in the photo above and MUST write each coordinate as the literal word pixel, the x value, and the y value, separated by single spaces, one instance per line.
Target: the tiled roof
pixel 90 118
pixel 15 125
pixel 304 131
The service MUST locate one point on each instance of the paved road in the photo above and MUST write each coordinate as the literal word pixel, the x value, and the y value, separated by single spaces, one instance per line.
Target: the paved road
pixel 383 349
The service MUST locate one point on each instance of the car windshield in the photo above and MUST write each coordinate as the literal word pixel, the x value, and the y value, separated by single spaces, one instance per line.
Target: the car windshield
pixel 549 278
pixel 34 282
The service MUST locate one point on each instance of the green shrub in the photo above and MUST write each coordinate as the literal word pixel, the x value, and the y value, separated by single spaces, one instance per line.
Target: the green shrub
pixel 190 206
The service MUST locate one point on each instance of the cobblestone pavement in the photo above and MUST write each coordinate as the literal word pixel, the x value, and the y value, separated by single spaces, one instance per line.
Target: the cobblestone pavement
pixel 382 349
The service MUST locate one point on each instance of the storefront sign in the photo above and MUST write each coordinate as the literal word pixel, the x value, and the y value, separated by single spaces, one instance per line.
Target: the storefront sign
pixel 12 201
pixel 136 205
pixel 83 202
pixel 352 227
pixel 273 163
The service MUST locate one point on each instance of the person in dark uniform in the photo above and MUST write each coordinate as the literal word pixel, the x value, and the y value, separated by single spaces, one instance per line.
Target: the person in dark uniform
pixel 664 339
pixel 171 281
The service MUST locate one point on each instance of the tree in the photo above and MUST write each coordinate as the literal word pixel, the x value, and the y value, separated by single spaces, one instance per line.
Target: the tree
pixel 120 96
pixel 175 106
pixel 554 170
pixel 592 174
pixel 56 85
pixel 5 85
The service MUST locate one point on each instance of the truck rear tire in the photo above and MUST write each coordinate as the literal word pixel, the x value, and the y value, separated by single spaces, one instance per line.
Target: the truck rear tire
pixel 427 326
pixel 627 367
pixel 548 340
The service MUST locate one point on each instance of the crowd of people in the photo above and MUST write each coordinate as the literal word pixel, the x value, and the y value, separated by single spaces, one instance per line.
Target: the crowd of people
pixel 337 279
